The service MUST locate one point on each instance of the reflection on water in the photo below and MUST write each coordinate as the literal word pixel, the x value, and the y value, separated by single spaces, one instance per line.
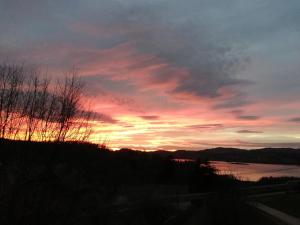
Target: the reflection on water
pixel 255 171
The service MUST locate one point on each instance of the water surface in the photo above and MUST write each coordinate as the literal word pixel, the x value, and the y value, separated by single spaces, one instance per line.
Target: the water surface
pixel 255 171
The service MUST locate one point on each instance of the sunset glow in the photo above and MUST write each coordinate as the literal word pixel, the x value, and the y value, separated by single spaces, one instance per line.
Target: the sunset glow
pixel 211 77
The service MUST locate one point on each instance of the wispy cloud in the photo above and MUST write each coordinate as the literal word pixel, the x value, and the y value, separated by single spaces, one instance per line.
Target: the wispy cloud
pixel 150 117
pixel 100 117
pixel 205 126
pixel 249 131
pixel 248 117
pixel 295 119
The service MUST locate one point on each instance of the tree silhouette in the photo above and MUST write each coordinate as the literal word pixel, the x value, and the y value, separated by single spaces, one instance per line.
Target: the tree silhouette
pixel 32 107
pixel 11 81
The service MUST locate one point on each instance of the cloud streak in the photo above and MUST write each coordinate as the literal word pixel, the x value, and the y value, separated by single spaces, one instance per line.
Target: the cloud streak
pixel 249 132
pixel 295 119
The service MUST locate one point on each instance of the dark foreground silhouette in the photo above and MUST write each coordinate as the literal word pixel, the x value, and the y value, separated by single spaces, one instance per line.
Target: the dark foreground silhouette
pixel 80 183
pixel 263 155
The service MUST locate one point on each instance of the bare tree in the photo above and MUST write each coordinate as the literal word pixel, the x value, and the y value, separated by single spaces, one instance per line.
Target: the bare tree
pixel 32 107
pixel 85 125
pixel 48 115
pixel 82 126
pixel 69 95
pixel 11 82
pixel 40 108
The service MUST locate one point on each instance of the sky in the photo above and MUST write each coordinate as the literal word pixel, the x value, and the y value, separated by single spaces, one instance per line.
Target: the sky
pixel 168 74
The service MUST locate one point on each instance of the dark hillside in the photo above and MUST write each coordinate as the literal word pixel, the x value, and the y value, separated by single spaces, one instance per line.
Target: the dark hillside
pixel 80 183
pixel 265 155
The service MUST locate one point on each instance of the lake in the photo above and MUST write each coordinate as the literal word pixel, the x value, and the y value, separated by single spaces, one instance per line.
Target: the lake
pixel 255 171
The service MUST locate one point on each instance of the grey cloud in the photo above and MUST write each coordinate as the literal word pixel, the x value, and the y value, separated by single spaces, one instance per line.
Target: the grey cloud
pixel 111 91
pixel 184 44
pixel 247 117
pixel 207 38
pixel 205 126
pixel 150 117
pixel 236 111
pixel 232 103
pixel 240 115
pixel 249 132
pixel 163 29
pixel 99 117
pixel 106 118
pixel 295 119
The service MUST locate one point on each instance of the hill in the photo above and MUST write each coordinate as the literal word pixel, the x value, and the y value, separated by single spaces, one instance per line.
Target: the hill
pixel 264 155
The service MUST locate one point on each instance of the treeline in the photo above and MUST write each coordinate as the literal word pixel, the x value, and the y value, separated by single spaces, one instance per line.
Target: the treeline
pixel 32 107
pixel 264 155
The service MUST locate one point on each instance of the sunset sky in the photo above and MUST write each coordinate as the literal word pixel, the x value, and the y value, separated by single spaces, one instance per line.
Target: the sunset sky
pixel 167 74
